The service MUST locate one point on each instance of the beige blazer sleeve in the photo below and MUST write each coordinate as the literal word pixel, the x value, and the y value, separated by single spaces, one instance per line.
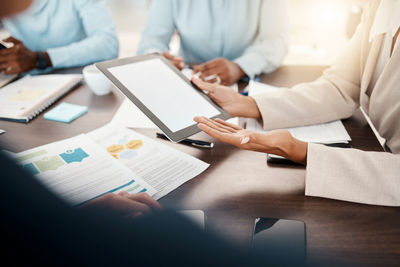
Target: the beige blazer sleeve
pixel 353 175
pixel 334 96
pixel 343 174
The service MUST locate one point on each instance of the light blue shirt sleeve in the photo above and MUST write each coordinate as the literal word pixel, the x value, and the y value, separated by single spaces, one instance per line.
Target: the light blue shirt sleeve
pixel 254 34
pixel 271 45
pixel 159 28
pixel 101 42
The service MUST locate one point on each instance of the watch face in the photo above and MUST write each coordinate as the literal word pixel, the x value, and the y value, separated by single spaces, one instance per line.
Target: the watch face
pixel 41 62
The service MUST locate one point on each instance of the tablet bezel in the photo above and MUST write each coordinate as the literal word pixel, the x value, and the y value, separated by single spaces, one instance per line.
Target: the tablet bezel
pixel 173 136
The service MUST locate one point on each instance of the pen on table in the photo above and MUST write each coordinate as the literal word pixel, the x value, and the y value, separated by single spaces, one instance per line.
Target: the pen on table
pixel 192 142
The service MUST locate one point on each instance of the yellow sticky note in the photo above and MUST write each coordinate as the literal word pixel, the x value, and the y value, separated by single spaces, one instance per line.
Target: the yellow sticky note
pixel 28 95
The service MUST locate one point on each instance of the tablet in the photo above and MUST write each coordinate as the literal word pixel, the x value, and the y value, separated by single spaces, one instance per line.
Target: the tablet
pixel 162 93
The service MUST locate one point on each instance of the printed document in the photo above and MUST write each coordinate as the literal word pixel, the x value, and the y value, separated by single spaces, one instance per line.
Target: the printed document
pixel 78 170
pixel 326 133
pixel 164 168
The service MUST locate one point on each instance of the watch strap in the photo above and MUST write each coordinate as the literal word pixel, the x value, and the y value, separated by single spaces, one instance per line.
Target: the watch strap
pixel 41 61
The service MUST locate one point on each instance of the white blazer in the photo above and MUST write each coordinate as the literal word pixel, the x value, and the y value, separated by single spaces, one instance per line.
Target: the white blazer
pixel 347 174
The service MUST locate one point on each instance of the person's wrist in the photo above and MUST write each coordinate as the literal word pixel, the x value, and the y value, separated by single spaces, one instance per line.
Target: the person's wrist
pixel 32 56
pixel 48 59
pixel 239 72
pixel 43 60
pixel 249 108
pixel 295 150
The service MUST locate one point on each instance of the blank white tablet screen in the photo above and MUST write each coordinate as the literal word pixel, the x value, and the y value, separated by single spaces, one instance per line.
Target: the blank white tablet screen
pixel 164 93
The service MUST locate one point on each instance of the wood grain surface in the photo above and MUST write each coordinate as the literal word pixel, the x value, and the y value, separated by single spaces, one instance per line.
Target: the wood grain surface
pixel 240 186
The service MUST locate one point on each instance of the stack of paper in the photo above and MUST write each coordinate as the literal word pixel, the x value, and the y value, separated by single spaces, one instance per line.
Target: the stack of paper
pixel 109 159
pixel 326 133
pixel 78 170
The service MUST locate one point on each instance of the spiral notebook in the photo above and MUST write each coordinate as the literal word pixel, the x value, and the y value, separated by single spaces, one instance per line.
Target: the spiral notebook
pixel 24 99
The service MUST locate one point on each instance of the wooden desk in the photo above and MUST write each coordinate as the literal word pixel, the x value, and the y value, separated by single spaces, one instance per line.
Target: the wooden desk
pixel 240 186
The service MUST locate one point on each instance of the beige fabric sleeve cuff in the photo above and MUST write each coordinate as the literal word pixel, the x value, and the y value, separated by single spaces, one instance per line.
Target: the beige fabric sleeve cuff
pixel 353 175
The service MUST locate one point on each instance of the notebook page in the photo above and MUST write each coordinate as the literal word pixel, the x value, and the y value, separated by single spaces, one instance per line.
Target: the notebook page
pixel 26 96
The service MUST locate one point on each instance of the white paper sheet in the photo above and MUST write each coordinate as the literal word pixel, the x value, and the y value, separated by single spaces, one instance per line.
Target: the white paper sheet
pixel 162 167
pixel 78 170
pixel 326 133
pixel 256 88
pixel 128 115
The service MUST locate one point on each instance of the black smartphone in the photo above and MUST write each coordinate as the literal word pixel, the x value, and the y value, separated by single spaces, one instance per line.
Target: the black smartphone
pixel 280 242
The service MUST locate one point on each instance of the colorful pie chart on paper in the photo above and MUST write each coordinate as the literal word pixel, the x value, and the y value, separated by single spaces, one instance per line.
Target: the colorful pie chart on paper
pixel 134 144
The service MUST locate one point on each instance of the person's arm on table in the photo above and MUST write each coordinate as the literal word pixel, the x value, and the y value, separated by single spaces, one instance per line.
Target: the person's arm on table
pixel 278 142
pixel 158 32
pixel 265 54
pixel 333 96
pixel 343 174
pixel 19 59
pixel 100 44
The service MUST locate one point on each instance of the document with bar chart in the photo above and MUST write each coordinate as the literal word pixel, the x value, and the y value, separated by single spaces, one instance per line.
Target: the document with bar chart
pixel 78 170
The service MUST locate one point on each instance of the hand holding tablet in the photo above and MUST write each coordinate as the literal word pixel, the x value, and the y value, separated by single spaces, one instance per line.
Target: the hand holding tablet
pixel 162 93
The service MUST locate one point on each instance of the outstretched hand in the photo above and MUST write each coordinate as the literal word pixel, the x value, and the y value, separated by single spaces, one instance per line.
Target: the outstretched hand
pixel 279 142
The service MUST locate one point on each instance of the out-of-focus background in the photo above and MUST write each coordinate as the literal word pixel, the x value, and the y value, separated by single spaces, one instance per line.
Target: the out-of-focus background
pixel 319 28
